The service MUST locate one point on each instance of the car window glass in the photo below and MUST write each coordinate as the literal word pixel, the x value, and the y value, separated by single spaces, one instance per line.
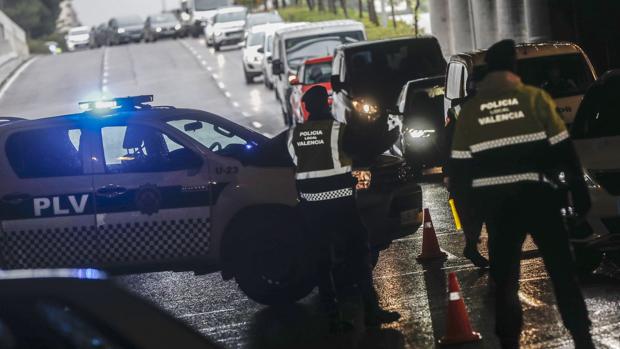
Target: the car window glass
pixel 49 152
pixel 207 134
pixel 137 148
pixel 597 116
pixel 317 73
pixel 256 39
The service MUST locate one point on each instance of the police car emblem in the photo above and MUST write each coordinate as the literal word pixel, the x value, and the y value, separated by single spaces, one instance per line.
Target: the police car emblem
pixel 148 199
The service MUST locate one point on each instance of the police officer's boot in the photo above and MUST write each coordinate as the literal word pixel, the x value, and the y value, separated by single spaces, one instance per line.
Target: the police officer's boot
pixel 471 252
pixel 374 315
pixel 582 339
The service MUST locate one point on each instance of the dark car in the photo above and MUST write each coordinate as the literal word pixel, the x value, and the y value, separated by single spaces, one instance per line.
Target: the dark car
pixel 424 143
pixel 78 308
pixel 163 25
pixel 367 78
pixel 125 29
pixel 98 35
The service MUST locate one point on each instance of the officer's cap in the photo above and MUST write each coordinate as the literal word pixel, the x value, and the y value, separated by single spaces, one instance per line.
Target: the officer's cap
pixel 502 56
pixel 316 99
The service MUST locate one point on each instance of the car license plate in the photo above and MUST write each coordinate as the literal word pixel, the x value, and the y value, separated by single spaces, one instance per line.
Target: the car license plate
pixel 409 217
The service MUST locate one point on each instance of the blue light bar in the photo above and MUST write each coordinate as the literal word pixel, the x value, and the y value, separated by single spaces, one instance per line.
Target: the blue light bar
pixel 123 102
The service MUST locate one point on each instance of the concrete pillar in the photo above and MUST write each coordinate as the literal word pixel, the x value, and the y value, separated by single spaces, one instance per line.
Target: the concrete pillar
pixel 511 20
pixel 484 22
pixel 537 18
pixel 462 34
pixel 440 24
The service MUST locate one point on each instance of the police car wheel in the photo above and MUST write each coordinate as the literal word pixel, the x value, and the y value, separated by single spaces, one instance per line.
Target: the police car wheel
pixel 587 259
pixel 272 261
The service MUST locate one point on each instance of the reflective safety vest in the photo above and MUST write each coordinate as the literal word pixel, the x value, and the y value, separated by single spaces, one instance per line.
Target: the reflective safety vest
pixel 508 133
pixel 323 170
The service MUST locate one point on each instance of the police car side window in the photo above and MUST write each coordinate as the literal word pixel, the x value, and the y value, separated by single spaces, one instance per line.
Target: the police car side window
pixel 48 152
pixel 138 148
pixel 212 137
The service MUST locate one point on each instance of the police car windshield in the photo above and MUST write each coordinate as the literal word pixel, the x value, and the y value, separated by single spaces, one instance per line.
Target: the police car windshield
pixel 211 136
pixel 560 75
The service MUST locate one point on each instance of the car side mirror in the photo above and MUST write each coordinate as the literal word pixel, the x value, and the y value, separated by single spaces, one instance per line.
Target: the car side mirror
pixel 261 50
pixel 294 80
pixel 277 67
pixel 269 60
pixel 337 85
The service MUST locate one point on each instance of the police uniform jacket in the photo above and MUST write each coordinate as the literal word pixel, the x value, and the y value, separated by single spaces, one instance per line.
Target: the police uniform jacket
pixel 323 169
pixel 511 133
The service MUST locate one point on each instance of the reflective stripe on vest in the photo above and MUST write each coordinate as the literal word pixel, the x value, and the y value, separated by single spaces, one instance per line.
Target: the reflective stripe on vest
pixel 509 179
pixel 327 195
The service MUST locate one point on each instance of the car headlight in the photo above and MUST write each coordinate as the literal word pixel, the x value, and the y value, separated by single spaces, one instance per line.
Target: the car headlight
pixel 590 182
pixel 177 27
pixel 415 133
pixel 365 109
pixel 219 33
pixel 158 29
pixel 363 179
pixel 120 30
pixel 185 16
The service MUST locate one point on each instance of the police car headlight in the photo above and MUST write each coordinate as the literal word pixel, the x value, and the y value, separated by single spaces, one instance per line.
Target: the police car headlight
pixel 590 182
pixel 363 179
pixel 366 109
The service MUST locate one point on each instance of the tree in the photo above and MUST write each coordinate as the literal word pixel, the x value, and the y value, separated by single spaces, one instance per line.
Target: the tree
pixel 321 5
pixel 343 4
pixel 393 13
pixel 36 17
pixel 372 12
pixel 310 4
pixel 360 8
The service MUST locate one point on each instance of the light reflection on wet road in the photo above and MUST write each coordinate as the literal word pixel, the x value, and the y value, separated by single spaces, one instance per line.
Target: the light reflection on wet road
pixel 185 73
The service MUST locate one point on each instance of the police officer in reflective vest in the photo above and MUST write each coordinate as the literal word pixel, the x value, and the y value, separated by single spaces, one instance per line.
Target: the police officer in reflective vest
pixel 509 147
pixel 326 190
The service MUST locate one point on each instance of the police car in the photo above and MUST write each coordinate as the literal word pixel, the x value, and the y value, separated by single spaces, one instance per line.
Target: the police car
pixel 129 187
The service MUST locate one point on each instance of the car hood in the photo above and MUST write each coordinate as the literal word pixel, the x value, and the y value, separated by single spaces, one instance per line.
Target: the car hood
pixel 229 25
pixel 165 24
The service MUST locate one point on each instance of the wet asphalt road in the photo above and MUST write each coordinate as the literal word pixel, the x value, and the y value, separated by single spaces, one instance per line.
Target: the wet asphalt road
pixel 184 73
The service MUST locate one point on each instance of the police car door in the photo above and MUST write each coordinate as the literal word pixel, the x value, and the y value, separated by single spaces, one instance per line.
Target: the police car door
pixel 152 199
pixel 46 196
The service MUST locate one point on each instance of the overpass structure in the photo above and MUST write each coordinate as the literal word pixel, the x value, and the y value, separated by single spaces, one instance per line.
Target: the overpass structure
pixel 13 46
pixel 465 25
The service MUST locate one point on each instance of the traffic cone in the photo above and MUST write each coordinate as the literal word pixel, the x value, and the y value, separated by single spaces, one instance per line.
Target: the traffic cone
pixel 458 328
pixel 430 246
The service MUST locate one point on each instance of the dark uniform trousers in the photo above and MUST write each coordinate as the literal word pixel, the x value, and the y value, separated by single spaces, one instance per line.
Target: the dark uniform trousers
pixel 511 213
pixel 340 239
pixel 471 218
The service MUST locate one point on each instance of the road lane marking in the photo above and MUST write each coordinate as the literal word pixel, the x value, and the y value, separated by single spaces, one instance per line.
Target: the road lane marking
pixel 209 68
pixel 203 62
pixel 227 94
pixel 235 104
pixel 257 124
pixel 206 313
pixel 15 76
pixel 221 85
pixel 247 115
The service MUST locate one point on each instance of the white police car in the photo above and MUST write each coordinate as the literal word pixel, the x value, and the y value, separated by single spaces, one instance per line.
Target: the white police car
pixel 127 187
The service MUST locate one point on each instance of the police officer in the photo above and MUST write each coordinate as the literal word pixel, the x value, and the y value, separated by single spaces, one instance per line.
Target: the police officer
pixel 509 147
pixel 326 190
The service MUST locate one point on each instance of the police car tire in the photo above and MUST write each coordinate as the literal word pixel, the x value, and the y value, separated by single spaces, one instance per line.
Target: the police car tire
pixel 279 225
pixel 587 259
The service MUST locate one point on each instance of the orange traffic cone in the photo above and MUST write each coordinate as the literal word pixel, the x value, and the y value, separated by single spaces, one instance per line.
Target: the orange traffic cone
pixel 458 328
pixel 430 246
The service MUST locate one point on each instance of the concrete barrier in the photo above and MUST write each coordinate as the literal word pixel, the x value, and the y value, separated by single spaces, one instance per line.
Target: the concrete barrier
pixel 13 46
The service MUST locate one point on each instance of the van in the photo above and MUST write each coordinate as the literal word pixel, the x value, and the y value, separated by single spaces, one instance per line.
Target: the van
pixel 560 68
pixel 292 46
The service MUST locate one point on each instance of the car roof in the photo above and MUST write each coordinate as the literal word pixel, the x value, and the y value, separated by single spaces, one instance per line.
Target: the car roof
pixel 267 27
pixel 304 29
pixel 319 60
pixel 524 50
pixel 231 9
pixel 89 274
pixel 84 27
pixel 387 41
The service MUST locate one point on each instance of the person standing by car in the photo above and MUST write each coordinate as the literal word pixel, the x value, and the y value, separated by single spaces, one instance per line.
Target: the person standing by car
pixel 326 189
pixel 511 151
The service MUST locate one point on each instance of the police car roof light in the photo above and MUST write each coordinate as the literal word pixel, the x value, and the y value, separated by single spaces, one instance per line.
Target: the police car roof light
pixel 123 102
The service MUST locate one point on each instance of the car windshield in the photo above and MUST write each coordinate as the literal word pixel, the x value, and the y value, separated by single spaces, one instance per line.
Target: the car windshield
pixel 256 39
pixel 262 18
pixel 560 75
pixel 318 73
pixel 382 69
pixel 80 31
pixel 230 16
pixel 306 47
pixel 130 20
pixel 211 136
pixel 205 5
pixel 164 18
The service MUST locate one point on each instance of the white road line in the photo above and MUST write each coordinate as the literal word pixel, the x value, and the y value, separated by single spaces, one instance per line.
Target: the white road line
pixel 227 94
pixel 105 81
pixel 209 68
pixel 247 115
pixel 105 74
pixel 221 85
pixel 203 62
pixel 215 76
pixel 235 104
pixel 257 124
pixel 15 76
